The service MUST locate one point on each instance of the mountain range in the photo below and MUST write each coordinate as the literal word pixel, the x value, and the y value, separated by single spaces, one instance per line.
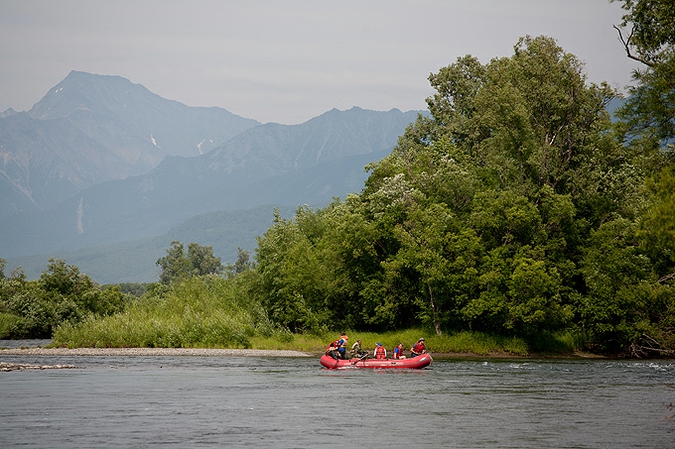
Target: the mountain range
pixel 92 128
pixel 105 173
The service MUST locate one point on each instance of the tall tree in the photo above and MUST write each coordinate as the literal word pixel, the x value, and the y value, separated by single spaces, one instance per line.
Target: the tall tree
pixel 648 121
pixel 512 208
pixel 291 277
pixel 647 33
pixel 179 265
pixel 521 153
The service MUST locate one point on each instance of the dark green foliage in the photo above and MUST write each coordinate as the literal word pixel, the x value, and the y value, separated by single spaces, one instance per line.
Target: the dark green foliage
pixel 133 288
pixel 649 111
pixel 34 309
pixel 652 27
pixel 291 279
pixel 512 209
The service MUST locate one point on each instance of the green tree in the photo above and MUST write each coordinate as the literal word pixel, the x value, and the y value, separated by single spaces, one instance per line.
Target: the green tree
pixel 657 229
pixel 648 118
pixel 520 153
pixel 65 279
pixel 175 265
pixel 614 268
pixel 423 240
pixel 178 265
pixel 242 263
pixel 511 208
pixel 650 39
pixel 202 260
pixel 291 280
pixel 652 29
pixel 351 249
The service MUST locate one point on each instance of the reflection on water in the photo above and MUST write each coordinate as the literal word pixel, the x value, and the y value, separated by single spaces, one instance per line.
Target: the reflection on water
pixel 282 402
pixel 17 344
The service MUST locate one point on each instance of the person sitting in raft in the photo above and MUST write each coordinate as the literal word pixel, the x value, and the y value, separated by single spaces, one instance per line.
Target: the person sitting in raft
pixel 342 345
pixel 398 352
pixel 356 350
pixel 332 349
pixel 380 352
pixel 418 348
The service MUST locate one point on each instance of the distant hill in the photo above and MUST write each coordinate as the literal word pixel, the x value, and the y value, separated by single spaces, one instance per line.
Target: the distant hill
pixel 127 117
pixel 134 261
pixel 270 164
pixel 43 162
pixel 90 129
pixel 86 193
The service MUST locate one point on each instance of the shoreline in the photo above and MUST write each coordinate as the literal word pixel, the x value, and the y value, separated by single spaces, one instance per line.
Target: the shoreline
pixel 208 352
pixel 153 352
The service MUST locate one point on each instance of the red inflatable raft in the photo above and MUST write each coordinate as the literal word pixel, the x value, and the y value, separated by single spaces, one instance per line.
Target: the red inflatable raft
pixel 418 362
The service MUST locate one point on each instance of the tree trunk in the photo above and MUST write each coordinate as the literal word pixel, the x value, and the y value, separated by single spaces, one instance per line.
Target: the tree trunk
pixel 434 313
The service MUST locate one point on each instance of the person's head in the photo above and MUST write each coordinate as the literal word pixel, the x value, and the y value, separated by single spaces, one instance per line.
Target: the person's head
pixel 358 341
pixel 379 344
pixel 421 339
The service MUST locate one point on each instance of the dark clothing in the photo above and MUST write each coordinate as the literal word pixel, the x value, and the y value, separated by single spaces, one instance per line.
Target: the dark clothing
pixel 417 349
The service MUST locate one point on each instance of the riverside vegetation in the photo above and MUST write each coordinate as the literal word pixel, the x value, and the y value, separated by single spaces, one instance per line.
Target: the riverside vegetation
pixel 515 218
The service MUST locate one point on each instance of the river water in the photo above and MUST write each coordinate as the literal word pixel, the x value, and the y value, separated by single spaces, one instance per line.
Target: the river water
pixel 136 402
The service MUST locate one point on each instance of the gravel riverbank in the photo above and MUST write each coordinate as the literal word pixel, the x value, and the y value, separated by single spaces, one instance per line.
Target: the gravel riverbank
pixel 4 366
pixel 150 352
pixel 128 352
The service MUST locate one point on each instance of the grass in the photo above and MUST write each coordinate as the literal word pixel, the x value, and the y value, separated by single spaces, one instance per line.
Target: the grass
pixel 556 343
pixel 211 313
pixel 461 342
pixel 198 313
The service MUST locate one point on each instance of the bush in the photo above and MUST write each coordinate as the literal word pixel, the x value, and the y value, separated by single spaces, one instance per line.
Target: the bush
pixel 11 326
pixel 205 311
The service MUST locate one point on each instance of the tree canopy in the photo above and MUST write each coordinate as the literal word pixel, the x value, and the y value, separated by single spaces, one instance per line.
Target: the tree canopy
pixel 511 208
pixel 648 35
pixel 33 309
pixel 180 265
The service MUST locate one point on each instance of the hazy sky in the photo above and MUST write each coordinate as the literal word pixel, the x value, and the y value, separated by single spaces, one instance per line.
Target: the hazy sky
pixel 287 61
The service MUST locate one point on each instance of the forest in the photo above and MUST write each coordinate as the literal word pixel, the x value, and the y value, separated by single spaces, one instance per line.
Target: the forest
pixel 522 206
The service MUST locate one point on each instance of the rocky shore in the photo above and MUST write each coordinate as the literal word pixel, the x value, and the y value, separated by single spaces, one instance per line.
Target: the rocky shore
pixel 128 352
pixel 23 366
pixel 150 352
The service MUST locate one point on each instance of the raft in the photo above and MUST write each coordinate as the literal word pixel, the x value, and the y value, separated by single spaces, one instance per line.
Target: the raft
pixel 418 362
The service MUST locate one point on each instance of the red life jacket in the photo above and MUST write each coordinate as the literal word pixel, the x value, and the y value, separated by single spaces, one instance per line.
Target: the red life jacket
pixel 380 352
pixel 418 347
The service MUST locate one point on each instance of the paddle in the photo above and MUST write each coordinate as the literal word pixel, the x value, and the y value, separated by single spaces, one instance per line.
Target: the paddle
pixel 364 356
